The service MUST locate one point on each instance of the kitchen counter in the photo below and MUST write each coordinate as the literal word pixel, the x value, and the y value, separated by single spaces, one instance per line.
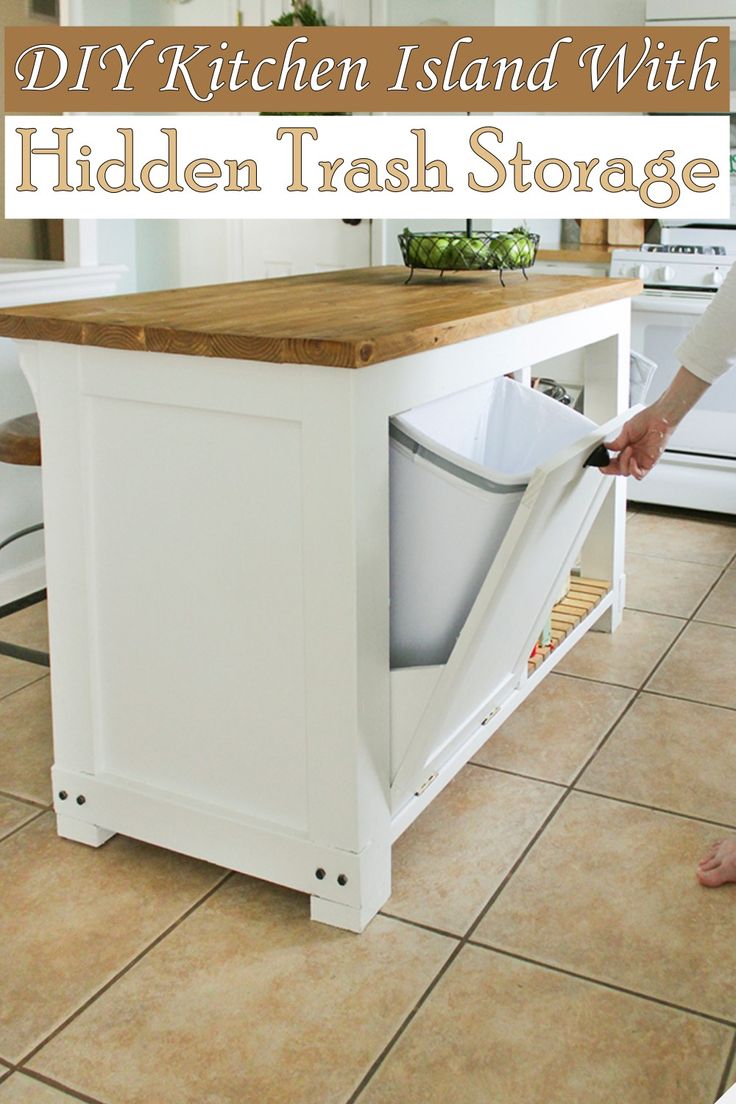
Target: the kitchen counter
pixel 578 253
pixel 217 504
pixel 348 319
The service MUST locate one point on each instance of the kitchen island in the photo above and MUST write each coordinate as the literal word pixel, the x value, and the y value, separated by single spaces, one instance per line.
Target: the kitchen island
pixel 216 495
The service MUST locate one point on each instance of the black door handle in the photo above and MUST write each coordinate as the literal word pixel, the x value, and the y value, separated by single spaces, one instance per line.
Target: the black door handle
pixel 599 458
pixel 352 222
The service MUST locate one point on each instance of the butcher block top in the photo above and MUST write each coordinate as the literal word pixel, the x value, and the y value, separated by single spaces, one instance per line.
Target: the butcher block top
pixel 347 319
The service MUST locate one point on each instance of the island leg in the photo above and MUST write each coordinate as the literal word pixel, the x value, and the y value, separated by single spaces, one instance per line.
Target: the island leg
pixel 80 832
pixel 345 507
pixel 607 394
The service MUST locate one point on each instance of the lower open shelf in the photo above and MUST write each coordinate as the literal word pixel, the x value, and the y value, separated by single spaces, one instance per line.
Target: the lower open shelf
pixel 582 596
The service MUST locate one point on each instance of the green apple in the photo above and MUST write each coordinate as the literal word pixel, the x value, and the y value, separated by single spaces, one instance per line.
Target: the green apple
pixel 426 251
pixel 513 249
pixel 466 253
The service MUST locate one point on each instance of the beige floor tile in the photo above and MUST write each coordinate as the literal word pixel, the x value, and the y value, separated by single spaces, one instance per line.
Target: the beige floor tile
pixel 672 754
pixel 720 606
pixel 609 891
pixel 19 1089
pixel 498 1030
pixel 14 673
pixel 552 734
pixel 13 814
pixel 455 855
pixel 28 627
pixel 248 1002
pixel 700 666
pixel 73 916
pixel 627 656
pixel 26 751
pixel 675 588
pixel 681 538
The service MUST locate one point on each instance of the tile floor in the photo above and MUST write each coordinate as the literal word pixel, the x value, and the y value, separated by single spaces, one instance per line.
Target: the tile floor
pixel 546 940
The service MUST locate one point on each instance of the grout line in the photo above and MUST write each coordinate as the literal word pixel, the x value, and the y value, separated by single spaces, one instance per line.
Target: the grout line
pixel 715 624
pixel 25 800
pixel 710 590
pixel 121 973
pixel 635 698
pixel 442 971
pixel 419 924
pixel 605 738
pixel 517 774
pixel 656 809
pixel 679 636
pixel 375 1066
pixel 19 827
pixel 727 1069
pixel 658 613
pixel 663 657
pixel 74 1094
pixel 711 1017
pixel 31 682
pixel 598 682
pixel 693 701
pixel 515 866
pixel 568 790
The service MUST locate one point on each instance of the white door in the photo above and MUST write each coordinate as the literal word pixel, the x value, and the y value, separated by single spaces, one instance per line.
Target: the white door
pixel 527 577
pixel 288 247
pixel 260 248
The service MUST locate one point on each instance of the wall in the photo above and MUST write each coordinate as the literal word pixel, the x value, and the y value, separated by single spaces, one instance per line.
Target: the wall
pixel 580 13
pixel 17 236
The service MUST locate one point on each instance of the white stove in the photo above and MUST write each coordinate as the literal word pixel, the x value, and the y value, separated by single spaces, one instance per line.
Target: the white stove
pixel 675 267
pixel 681 275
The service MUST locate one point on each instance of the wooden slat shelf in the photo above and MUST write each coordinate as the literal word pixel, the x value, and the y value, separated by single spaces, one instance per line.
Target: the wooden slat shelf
pixel 583 595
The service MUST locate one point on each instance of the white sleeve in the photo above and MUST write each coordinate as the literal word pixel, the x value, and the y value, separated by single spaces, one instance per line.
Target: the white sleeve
pixel 709 349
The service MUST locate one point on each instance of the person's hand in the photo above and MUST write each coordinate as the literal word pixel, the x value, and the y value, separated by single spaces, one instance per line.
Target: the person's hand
pixel 644 437
pixel 640 443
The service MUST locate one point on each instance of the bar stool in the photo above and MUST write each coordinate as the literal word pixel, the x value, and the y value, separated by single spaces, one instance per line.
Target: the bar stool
pixel 20 443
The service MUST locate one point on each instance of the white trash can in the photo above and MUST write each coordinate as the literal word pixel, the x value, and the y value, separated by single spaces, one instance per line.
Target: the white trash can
pixel 459 467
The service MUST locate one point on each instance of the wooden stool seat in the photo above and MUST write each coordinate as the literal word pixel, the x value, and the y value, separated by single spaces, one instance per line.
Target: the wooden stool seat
pixel 20 441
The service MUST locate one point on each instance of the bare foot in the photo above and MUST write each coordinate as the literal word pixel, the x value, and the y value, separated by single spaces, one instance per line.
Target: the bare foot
pixel 718 865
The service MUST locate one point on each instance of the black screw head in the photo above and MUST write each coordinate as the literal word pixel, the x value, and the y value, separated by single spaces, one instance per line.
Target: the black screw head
pixel 342 879
pixel 320 873
pixel 81 799
pixel 63 795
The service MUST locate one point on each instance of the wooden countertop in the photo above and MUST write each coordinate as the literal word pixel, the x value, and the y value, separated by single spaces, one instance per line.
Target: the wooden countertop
pixel 578 253
pixel 349 318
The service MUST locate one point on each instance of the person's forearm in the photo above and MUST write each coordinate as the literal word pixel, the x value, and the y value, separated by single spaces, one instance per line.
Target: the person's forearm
pixel 680 397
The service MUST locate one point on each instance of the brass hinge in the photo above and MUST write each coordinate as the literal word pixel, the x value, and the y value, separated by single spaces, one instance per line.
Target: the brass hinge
pixel 427 782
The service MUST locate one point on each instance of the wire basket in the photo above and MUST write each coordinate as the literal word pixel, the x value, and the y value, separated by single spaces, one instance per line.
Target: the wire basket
pixel 454 251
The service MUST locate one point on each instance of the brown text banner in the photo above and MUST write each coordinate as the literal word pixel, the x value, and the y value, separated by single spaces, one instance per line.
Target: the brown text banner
pixel 672 69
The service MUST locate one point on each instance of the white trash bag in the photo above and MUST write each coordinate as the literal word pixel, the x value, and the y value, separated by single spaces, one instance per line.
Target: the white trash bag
pixel 459 467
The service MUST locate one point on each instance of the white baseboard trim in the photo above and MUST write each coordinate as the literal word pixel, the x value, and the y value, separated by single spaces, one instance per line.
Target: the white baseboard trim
pixel 24 580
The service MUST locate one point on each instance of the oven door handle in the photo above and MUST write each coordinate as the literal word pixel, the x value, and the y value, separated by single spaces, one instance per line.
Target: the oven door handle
pixel 657 304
